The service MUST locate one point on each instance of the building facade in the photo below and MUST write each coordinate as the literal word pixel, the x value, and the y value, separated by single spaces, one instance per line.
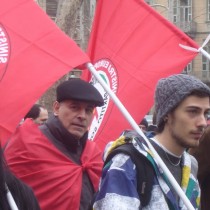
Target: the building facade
pixel 193 18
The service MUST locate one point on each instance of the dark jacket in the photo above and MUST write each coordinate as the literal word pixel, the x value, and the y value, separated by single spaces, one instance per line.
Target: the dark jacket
pixel 56 165
pixel 201 153
pixel 72 148
pixel 22 194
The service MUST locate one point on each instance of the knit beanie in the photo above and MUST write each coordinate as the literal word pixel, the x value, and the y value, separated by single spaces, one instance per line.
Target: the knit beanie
pixel 78 89
pixel 173 90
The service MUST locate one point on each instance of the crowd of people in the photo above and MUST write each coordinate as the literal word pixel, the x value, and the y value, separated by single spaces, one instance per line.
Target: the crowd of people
pixel 50 164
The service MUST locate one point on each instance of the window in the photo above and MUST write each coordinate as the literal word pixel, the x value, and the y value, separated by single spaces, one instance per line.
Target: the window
pixel 206 63
pixel 51 8
pixel 182 10
pixel 185 10
pixel 175 6
pixel 208 10
pixel 188 68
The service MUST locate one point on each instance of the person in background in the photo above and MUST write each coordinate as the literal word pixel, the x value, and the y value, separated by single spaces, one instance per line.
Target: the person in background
pixel 182 103
pixel 201 153
pixel 38 114
pixel 143 125
pixel 56 159
pixel 23 195
pixel 152 129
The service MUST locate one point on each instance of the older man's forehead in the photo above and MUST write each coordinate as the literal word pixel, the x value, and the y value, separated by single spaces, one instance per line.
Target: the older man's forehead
pixel 80 102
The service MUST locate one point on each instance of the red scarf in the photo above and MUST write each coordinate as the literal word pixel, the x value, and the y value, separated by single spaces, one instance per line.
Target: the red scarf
pixel 55 179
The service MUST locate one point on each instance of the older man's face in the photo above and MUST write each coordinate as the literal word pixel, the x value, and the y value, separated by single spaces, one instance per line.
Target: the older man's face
pixel 75 116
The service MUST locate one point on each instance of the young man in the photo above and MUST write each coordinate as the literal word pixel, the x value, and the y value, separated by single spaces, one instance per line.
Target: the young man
pixel 182 103
pixel 56 159
pixel 38 114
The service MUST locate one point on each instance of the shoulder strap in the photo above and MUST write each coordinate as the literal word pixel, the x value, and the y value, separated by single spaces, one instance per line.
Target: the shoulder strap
pixel 145 171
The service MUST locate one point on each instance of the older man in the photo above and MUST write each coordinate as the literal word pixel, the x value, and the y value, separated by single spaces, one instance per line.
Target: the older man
pixel 56 159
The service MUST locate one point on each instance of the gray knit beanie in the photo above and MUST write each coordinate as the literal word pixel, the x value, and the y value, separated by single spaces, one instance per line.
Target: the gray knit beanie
pixel 172 90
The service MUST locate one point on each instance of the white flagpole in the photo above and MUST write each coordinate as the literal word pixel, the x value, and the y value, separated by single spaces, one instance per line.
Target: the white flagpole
pixel 132 122
pixel 207 55
pixel 11 200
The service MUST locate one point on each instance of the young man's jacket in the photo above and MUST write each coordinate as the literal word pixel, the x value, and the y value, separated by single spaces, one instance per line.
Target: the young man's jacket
pixel 63 172
pixel 118 185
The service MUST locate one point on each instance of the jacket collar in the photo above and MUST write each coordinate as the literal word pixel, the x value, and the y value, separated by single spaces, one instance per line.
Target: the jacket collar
pixel 61 134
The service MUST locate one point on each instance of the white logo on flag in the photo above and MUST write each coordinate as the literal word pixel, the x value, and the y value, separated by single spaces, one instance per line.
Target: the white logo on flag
pixel 108 73
pixel 4 51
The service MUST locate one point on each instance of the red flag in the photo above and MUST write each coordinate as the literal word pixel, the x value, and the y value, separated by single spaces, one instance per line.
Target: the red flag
pixel 34 53
pixel 132 47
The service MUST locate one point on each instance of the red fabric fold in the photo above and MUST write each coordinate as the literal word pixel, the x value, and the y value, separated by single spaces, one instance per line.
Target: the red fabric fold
pixel 55 179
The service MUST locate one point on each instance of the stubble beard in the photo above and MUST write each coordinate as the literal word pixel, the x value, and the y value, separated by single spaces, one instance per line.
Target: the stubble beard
pixel 184 142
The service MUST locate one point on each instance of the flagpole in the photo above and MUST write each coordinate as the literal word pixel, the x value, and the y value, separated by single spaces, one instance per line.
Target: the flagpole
pixel 11 200
pixel 132 122
pixel 207 55
pixel 203 45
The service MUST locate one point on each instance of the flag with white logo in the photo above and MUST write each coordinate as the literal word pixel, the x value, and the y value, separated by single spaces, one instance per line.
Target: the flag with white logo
pixel 131 47
pixel 34 53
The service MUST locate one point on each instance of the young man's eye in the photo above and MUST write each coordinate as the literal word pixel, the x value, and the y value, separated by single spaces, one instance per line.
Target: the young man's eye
pixel 193 111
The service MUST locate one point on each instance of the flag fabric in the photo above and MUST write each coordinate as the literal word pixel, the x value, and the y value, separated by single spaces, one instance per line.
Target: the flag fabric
pixel 34 53
pixel 54 177
pixel 131 47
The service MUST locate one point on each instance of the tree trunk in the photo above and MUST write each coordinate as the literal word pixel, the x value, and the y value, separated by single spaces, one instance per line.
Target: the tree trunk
pixel 73 17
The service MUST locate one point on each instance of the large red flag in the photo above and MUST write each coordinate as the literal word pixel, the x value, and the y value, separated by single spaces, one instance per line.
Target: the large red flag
pixel 132 47
pixel 34 53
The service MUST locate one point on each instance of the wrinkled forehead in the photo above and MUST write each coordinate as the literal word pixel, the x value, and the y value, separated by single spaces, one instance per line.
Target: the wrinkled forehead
pixel 79 102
